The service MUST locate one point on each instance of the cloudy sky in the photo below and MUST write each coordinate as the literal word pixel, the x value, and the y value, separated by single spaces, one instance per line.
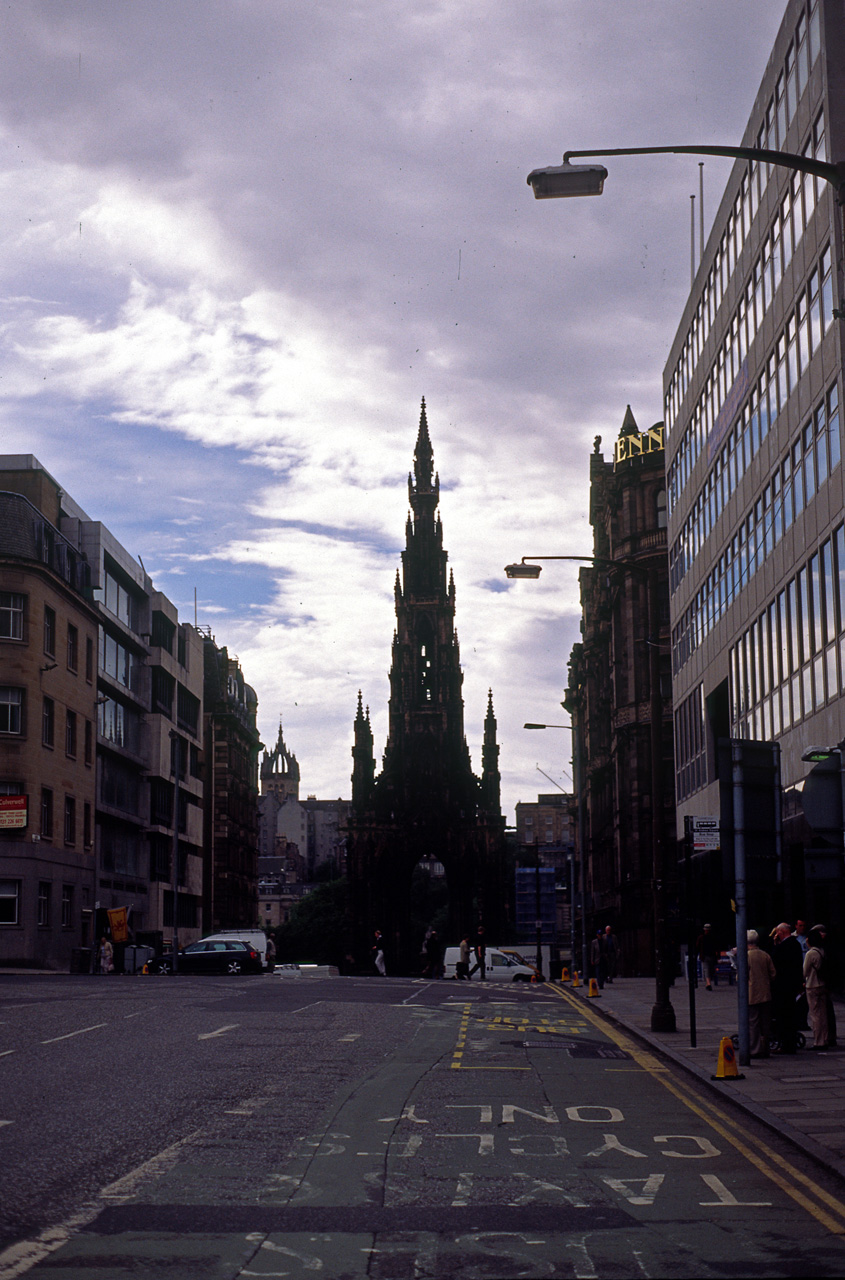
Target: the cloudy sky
pixel 242 238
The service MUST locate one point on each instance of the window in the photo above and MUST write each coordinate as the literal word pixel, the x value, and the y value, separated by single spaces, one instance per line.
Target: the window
pixel 72 647
pixel 86 825
pixel 164 631
pixel 89 742
pixel 11 710
pixel 187 710
pixel 89 659
pixel 44 887
pixel 10 901
pixel 70 734
pixel 48 722
pixel 67 906
pixel 70 820
pixel 11 615
pixel 163 686
pixel 46 813
pixel 49 631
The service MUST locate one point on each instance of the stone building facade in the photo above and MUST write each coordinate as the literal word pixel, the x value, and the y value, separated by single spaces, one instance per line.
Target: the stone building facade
pixel 48 714
pixel 232 744
pixel 619 689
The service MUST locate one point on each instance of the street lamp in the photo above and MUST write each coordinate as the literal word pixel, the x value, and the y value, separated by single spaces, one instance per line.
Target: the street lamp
pixel 662 1013
pixel 564 180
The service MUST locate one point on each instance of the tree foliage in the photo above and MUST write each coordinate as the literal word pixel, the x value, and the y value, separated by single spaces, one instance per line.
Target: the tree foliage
pixel 319 930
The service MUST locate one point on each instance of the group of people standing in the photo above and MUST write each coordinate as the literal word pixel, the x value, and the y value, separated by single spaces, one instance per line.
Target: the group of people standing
pixel 604 956
pixel 787 982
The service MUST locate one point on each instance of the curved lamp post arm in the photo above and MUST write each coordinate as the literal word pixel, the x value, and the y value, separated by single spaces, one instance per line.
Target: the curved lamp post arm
pixel 832 173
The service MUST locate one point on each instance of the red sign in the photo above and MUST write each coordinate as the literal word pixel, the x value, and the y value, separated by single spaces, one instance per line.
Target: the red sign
pixel 13 812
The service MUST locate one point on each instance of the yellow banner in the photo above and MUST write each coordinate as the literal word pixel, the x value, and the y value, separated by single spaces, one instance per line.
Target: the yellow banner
pixel 118 924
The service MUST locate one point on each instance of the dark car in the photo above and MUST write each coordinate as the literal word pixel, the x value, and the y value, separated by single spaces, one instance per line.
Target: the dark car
pixel 222 956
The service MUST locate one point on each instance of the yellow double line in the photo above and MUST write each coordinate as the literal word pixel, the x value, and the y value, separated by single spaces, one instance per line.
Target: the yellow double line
pixel 757 1153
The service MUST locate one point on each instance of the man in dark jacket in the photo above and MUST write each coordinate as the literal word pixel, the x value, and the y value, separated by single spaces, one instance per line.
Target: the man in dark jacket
pixel 787 986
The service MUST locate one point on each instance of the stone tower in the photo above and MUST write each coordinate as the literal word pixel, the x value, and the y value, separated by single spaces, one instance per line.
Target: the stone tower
pixel 426 803
pixel 280 772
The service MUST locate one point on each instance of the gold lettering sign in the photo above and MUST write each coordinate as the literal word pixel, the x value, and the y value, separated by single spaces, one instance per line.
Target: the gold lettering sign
pixel 635 446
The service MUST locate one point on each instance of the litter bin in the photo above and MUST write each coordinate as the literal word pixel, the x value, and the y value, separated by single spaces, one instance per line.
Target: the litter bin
pixel 80 960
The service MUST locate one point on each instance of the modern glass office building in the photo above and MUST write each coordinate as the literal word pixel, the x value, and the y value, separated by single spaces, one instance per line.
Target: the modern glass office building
pixel 753 395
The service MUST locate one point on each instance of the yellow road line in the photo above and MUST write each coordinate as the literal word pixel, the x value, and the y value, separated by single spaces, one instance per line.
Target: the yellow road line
pixel 651 1064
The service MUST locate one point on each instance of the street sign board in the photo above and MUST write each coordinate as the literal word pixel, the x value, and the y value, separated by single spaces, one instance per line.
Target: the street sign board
pixel 705 835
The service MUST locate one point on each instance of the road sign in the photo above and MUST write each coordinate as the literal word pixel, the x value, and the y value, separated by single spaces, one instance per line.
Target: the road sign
pixel 705 835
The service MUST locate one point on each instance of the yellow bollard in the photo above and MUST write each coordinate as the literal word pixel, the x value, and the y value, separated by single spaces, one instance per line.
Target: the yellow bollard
pixel 726 1068
pixel 564 977
pixel 576 981
pixel 593 989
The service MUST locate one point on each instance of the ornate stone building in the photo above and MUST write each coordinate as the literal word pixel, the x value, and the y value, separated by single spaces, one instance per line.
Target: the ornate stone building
pixel 426 804
pixel 619 762
pixel 232 745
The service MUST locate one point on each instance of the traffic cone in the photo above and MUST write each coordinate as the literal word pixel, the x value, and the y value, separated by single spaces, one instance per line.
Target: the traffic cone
pixel 564 977
pixel 726 1068
pixel 576 981
pixel 593 988
pixel 533 977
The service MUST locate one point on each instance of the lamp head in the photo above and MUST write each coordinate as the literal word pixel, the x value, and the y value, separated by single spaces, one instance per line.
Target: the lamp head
pixel 567 180
pixel 523 570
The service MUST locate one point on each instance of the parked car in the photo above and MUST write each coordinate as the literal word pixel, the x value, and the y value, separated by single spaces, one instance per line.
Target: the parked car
pixel 256 938
pixel 498 967
pixel 224 955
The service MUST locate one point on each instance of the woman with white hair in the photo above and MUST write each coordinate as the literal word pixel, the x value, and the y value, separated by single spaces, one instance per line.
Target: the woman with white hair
pixel 761 970
pixel 815 982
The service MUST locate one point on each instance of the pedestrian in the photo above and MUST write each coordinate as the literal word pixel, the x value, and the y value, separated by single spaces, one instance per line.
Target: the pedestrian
pixel 761 971
pixel 480 952
pixel 377 950
pixel 787 986
pixel 816 986
pixel 598 968
pixel 611 951
pixel 800 932
pixel 462 966
pixel 434 956
pixel 105 956
pixel 708 954
pixel 833 981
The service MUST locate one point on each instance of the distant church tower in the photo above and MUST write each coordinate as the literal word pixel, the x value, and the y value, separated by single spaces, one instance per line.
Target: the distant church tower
pixel 280 772
pixel 426 802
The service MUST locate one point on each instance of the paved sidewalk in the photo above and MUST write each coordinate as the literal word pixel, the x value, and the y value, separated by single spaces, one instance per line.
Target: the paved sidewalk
pixel 802 1097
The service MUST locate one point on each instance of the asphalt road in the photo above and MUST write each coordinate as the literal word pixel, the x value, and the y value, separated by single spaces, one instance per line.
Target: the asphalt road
pixel 264 1126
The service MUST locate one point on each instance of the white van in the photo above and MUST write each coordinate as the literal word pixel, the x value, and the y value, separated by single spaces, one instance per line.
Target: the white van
pixel 498 967
pixel 257 938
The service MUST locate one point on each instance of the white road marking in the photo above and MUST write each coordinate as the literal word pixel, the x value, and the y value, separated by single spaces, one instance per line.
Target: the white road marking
pixel 6 1053
pixel 221 1031
pixel 71 1034
pixel 348 1039
pixel 727 1198
pixel 25 1254
pixel 2 1122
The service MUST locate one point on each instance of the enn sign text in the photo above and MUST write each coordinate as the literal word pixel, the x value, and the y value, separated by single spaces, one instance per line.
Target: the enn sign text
pixel 635 446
